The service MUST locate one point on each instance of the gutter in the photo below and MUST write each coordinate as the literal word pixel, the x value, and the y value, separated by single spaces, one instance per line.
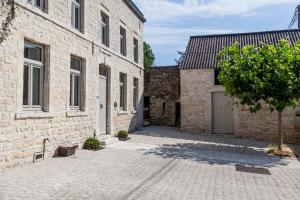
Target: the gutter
pixel 136 10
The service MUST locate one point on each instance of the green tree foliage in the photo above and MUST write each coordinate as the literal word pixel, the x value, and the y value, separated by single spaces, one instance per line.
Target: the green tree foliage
pixel 149 57
pixel 264 73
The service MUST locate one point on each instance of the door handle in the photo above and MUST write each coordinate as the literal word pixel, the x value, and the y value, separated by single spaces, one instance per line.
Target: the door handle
pixel 101 106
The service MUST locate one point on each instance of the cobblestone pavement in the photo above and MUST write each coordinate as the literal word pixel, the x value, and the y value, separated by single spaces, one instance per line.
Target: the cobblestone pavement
pixel 158 163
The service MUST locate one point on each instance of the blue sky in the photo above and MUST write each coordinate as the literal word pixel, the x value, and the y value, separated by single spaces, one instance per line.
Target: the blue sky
pixel 170 23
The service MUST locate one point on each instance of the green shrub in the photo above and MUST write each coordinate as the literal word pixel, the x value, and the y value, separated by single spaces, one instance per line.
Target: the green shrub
pixel 91 144
pixel 122 134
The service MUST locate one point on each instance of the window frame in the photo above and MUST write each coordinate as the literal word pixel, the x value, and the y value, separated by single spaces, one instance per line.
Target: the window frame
pixel 135 93
pixel 31 64
pixel 123 85
pixel 123 41
pixel 33 2
pixel 104 40
pixel 136 50
pixel 74 5
pixel 216 75
pixel 75 73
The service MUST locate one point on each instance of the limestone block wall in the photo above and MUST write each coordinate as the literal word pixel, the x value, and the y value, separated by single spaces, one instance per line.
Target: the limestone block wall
pixel 264 125
pixel 22 132
pixel 197 87
pixel 162 85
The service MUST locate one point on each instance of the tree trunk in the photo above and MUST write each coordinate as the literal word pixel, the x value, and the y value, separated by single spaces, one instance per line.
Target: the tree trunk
pixel 280 137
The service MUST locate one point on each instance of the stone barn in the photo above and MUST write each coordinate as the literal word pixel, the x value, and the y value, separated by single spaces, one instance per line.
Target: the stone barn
pixel 162 96
pixel 204 106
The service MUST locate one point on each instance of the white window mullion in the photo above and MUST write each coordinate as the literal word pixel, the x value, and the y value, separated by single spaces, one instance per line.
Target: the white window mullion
pixel 30 86
pixel 73 90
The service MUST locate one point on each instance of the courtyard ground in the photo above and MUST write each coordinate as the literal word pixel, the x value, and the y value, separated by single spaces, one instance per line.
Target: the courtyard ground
pixel 158 163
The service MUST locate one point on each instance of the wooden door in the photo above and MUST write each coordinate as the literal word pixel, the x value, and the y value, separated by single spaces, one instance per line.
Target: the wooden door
pixel 222 113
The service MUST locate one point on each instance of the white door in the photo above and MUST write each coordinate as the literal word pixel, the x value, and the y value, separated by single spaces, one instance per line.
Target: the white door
pixel 222 113
pixel 102 95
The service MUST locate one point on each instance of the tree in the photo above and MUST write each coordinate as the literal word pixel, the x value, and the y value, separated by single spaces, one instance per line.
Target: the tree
pixel 149 57
pixel 181 57
pixel 265 73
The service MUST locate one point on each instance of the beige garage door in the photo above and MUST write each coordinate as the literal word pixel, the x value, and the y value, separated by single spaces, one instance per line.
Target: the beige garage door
pixel 222 113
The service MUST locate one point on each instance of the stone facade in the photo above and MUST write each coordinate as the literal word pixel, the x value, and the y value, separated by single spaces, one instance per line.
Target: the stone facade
pixel 22 132
pixel 197 87
pixel 162 86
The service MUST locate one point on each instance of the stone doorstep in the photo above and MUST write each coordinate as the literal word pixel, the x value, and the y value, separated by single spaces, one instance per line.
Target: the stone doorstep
pixel 107 139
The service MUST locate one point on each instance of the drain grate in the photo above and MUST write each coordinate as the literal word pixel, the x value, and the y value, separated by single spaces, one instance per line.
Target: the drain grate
pixel 254 170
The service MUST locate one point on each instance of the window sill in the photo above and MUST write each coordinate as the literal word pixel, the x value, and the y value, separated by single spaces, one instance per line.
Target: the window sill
pixel 122 112
pixel 34 115
pixel 76 114
pixel 133 112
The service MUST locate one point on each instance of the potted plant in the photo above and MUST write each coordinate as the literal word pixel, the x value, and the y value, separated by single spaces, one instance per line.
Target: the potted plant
pixel 66 151
pixel 122 135
pixel 92 144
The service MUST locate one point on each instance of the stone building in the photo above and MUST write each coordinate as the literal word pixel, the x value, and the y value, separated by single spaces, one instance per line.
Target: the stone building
pixel 204 106
pixel 162 96
pixel 70 70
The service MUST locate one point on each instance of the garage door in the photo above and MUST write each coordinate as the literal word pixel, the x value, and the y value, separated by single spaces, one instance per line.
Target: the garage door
pixel 222 113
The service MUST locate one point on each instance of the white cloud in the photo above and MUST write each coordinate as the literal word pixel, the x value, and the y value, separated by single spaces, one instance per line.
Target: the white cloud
pixel 165 10
pixel 168 38
pixel 170 23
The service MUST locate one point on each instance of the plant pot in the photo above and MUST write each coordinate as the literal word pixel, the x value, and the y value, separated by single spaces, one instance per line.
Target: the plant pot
pixel 67 151
pixel 124 139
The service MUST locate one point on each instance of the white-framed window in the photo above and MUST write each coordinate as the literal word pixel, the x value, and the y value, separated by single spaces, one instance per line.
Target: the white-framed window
pixel 75 83
pixel 33 76
pixel 135 93
pixel 38 3
pixel 123 46
pixel 123 91
pixel 136 50
pixel 104 29
pixel 76 14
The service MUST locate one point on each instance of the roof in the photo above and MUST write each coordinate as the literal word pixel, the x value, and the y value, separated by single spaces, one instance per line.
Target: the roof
pixel 202 51
pixel 165 66
pixel 136 10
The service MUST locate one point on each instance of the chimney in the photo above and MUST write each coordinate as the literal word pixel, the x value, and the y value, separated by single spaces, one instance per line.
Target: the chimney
pixel 298 8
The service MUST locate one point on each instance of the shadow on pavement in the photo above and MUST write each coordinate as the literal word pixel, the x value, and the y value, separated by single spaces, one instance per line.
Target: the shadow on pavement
pixel 208 148
pixel 211 154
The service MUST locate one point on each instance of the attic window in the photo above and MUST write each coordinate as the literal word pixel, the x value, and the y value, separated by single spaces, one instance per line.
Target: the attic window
pixel 217 73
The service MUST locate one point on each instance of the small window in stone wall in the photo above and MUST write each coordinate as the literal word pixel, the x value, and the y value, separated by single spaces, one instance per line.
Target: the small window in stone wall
pixel 123 91
pixel 104 29
pixel 77 83
pixel 33 76
pixel 217 73
pixel 77 14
